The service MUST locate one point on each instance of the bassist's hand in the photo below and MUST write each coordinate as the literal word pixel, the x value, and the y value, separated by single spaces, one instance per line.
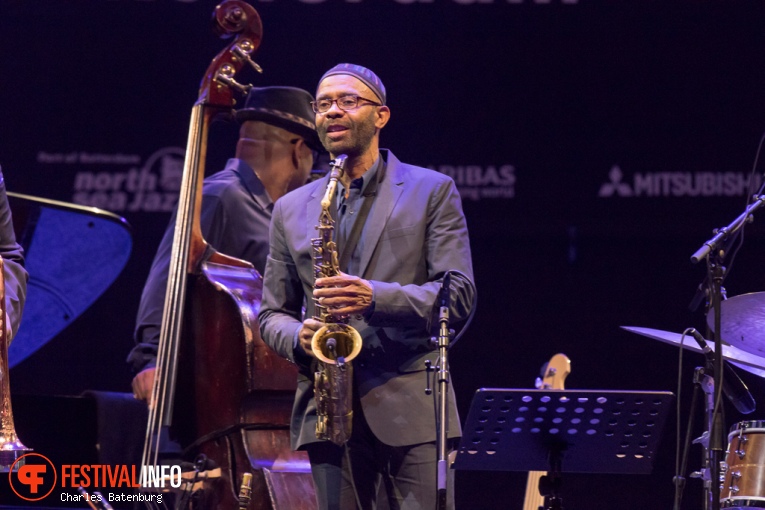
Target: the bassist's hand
pixel 143 383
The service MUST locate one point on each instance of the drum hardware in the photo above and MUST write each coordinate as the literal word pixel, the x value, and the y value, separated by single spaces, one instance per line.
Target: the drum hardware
pixel 741 442
pixel 734 477
pixel 703 381
pixel 742 472
pixel 713 252
pixel 744 468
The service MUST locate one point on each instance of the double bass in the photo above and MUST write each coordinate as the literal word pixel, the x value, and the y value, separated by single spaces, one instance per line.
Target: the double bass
pixel 222 394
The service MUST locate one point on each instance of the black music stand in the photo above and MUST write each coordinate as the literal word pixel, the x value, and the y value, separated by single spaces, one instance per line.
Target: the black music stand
pixel 573 431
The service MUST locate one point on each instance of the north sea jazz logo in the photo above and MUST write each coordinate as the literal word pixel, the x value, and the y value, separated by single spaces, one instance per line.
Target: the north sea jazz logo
pixel 123 182
pixel 151 186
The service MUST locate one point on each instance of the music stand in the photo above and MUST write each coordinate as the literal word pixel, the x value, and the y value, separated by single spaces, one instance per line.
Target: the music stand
pixel 573 431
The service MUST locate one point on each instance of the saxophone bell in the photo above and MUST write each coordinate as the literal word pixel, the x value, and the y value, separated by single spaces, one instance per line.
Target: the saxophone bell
pixel 336 343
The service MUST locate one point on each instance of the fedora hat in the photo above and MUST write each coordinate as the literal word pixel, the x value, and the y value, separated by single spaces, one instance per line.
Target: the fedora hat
pixel 285 107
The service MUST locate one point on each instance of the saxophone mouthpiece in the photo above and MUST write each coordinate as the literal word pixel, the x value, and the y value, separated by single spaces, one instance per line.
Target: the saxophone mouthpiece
pixel 339 160
pixel 337 165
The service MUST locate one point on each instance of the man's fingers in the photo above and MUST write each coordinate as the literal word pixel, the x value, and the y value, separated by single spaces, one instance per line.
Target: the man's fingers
pixel 309 327
pixel 143 384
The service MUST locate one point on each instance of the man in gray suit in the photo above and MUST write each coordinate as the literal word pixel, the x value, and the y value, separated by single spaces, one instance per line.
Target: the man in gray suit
pixel 414 231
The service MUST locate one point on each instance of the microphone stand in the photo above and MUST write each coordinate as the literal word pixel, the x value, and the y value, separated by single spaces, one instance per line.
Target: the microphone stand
pixel 714 253
pixel 444 335
pixel 442 367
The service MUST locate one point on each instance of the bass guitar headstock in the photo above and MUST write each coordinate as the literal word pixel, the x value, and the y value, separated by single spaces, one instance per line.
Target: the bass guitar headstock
pixel 554 373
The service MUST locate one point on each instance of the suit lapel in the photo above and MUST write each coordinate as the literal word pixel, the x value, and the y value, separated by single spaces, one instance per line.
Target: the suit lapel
pixel 388 193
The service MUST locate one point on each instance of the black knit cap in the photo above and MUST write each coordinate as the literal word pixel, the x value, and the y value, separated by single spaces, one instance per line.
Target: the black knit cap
pixel 285 107
pixel 362 73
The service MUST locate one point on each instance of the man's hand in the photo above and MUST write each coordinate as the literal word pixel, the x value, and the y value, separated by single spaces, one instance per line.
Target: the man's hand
pixel 344 295
pixel 143 383
pixel 310 326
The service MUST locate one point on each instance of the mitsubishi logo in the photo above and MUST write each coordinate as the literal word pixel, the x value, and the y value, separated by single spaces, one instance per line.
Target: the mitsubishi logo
pixel 616 186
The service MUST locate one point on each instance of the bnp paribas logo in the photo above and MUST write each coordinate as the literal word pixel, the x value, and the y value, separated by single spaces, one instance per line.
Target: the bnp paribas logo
pixel 615 186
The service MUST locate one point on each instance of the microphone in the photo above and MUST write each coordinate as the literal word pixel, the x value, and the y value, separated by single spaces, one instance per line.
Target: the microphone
pixel 444 293
pixel 733 387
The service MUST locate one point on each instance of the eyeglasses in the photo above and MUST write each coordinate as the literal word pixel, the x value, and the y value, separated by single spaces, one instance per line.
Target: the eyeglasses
pixel 345 103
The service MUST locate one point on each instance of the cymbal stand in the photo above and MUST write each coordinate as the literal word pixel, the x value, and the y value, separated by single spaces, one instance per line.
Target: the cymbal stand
pixel 706 382
pixel 717 442
pixel 714 252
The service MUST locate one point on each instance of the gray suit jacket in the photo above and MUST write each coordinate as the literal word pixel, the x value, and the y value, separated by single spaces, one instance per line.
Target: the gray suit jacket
pixel 415 232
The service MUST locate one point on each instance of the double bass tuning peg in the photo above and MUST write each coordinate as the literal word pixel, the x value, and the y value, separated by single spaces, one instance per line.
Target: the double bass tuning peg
pixel 226 77
pixel 243 50
pixel 227 72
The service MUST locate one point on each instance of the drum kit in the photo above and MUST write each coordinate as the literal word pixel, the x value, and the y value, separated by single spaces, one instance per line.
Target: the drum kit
pixel 743 333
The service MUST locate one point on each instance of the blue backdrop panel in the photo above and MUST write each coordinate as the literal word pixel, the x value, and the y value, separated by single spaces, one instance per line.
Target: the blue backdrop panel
pixel 73 254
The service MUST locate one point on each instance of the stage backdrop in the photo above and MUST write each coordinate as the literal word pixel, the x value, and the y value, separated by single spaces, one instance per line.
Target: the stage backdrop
pixel 596 145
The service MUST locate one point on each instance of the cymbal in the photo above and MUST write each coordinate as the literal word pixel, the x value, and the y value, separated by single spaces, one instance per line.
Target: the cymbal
pixel 742 322
pixel 742 359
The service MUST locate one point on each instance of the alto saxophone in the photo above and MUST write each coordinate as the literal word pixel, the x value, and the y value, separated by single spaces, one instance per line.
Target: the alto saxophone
pixel 336 343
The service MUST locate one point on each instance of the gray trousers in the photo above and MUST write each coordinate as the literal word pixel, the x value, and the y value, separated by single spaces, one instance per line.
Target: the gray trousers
pixel 369 475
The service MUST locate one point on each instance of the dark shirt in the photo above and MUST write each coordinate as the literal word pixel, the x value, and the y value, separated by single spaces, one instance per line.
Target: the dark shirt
pixel 235 217
pixel 347 212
